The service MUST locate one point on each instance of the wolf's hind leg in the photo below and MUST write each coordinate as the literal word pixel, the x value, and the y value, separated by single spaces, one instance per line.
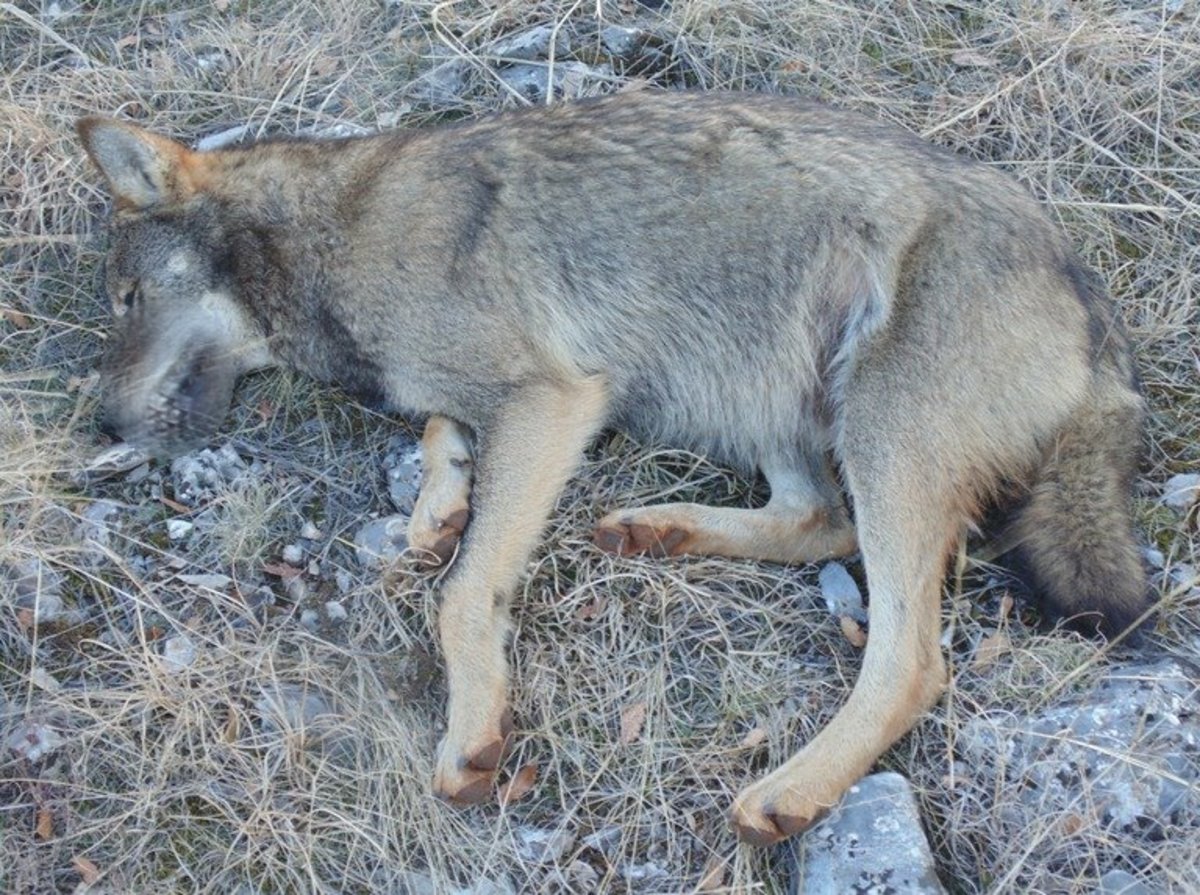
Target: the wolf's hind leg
pixel 908 518
pixel 443 506
pixel 523 460
pixel 805 520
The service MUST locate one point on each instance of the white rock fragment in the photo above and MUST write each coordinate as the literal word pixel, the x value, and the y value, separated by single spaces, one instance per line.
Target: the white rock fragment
pixel 310 532
pixel 309 618
pixel 33 740
pixel 178 529
pixel 336 611
pixel 381 541
pixel 178 653
pixel 1182 491
pixel 293 554
pixel 541 846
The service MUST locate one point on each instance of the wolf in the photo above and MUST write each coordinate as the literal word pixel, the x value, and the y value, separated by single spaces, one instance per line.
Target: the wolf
pixel 788 288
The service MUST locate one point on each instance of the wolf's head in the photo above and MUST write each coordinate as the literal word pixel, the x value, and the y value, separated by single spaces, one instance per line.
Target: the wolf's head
pixel 180 337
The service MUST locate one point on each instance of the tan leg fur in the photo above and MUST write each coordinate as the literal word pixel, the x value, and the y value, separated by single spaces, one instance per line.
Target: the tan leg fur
pixel 524 459
pixel 443 506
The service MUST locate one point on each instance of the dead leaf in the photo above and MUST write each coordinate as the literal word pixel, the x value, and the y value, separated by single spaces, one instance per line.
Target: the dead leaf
pixel 990 649
pixel 520 784
pixel 25 619
pixel 755 737
pixel 129 40
pixel 853 631
pixel 17 319
pixel 282 570
pixel 632 718
pixel 45 824
pixel 713 878
pixel 1072 824
pixel 232 726
pixel 265 410
pixel 86 869
pixel 590 609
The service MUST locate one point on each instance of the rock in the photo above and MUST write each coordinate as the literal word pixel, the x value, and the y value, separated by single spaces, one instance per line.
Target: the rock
pixel 841 593
pixel 293 554
pixel 441 85
pixel 335 611
pixel 531 44
pixel 605 840
pixel 1118 882
pixel 303 712
pixel 35 585
pixel 310 532
pixel 620 41
pixel 542 846
pixel 871 842
pixel 381 541
pixel 1077 753
pixel 1182 491
pixel 200 476
pixel 33 740
pixel 178 653
pixel 310 619
pixel 571 79
pixel 178 529
pixel 402 465
pixel 95 529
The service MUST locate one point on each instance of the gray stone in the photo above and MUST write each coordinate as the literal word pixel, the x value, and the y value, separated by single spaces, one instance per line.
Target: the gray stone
pixel 178 653
pixel 95 529
pixel 200 476
pixel 500 886
pixel 310 619
pixel 571 79
pixel 402 465
pixel 1182 491
pixel 381 541
pixel 1118 882
pixel 871 842
pixel 293 554
pixel 35 585
pixel 304 715
pixel 178 529
pixel 310 532
pixel 531 44
pixel 33 740
pixel 841 593
pixel 209 581
pixel 542 846
pixel 620 41
pixel 1130 751
pixel 335 611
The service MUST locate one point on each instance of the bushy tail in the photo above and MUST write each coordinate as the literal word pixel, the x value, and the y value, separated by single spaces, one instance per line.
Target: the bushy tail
pixel 1075 532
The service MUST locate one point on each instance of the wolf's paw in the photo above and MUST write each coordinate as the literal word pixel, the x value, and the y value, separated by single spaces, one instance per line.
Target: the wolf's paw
pixel 465 777
pixel 628 534
pixel 435 536
pixel 768 812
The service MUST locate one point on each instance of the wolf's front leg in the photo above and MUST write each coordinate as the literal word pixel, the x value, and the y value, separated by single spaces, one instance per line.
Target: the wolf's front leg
pixel 442 507
pixel 524 458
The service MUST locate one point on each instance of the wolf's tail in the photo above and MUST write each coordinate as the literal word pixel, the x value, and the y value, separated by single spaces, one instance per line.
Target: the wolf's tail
pixel 1074 533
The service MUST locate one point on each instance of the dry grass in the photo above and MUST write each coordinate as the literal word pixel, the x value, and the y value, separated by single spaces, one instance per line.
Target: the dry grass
pixel 182 781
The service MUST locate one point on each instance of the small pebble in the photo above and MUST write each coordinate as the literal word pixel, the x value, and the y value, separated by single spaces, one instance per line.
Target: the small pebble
pixel 310 619
pixel 1182 491
pixel 310 532
pixel 178 653
pixel 293 554
pixel 178 529
pixel 336 611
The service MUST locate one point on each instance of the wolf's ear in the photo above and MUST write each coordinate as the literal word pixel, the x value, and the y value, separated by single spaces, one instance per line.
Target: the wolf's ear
pixel 142 169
